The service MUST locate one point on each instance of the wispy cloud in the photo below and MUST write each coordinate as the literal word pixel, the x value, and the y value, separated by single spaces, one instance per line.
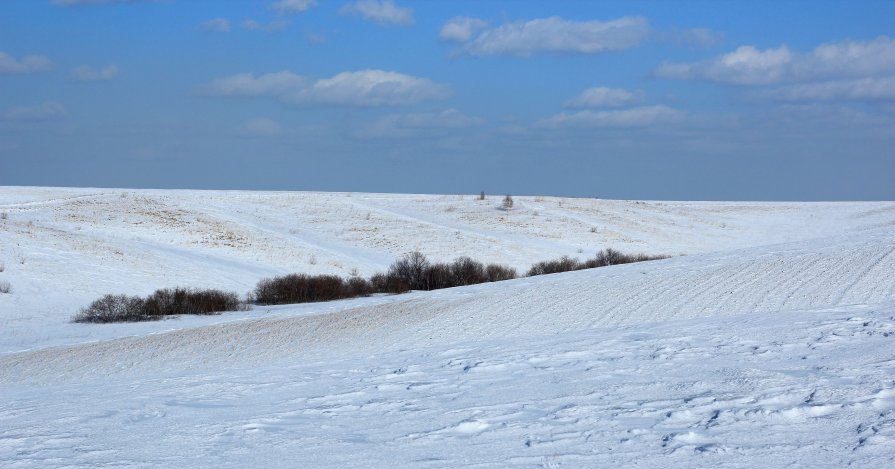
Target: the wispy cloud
pixel 384 12
pixel 85 73
pixel 602 96
pixel 27 64
pixel 364 88
pixel 699 37
pixel 860 89
pixel 461 28
pixel 293 6
pixel 418 124
pixel 216 25
pixel 748 65
pixel 247 85
pixel 554 35
pixel 632 117
pixel 40 112
pixel 272 27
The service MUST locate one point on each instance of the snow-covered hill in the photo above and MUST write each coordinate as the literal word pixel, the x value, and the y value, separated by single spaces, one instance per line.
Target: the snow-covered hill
pixel 769 343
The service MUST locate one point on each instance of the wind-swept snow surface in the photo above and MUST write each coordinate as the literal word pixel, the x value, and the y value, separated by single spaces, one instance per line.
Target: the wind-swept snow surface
pixel 769 344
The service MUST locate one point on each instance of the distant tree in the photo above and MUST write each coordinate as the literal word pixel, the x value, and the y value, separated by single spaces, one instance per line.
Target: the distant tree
pixel 507 202
pixel 411 269
pixel 482 195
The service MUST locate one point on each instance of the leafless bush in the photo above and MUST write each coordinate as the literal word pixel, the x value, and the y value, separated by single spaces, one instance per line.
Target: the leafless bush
pixel 563 264
pixel 604 258
pixel 114 308
pixel 410 269
pixel 168 302
pixel 498 272
pixel 385 283
pixel 4 215
pixel 466 271
pixel 609 256
pixel 300 288
pixel 2 266
pixel 165 302
pixel 5 287
pixel 507 202
pixel 359 287
pixel 438 276
pixel 482 195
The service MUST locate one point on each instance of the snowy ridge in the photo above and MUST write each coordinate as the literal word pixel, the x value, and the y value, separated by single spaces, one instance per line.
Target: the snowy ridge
pixel 798 276
pixel 63 248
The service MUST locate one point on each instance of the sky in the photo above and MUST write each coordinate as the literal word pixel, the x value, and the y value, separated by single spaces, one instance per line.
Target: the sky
pixel 700 100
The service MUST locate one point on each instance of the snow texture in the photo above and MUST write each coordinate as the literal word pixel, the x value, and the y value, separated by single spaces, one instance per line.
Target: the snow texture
pixel 768 344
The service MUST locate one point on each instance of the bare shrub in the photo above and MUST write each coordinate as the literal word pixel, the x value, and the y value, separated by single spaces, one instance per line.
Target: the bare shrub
pixel 507 202
pixel 113 308
pixel 499 272
pixel 563 264
pixel 166 302
pixel 5 287
pixel 385 283
pixel 604 258
pixel 466 271
pixel 609 256
pixel 359 287
pixel 2 266
pixel 482 195
pixel 438 276
pixel 4 215
pixel 300 288
pixel 410 269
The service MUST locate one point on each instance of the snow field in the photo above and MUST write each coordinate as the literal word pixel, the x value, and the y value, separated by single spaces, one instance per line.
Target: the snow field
pixel 768 345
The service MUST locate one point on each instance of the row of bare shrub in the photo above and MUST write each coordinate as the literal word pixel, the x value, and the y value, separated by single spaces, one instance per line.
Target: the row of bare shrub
pixel 604 258
pixel 413 271
pixel 164 302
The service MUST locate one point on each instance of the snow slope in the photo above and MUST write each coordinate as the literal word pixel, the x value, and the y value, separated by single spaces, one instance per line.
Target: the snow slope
pixel 768 344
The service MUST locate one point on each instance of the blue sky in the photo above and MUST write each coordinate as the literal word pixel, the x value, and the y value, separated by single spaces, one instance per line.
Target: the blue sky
pixel 646 100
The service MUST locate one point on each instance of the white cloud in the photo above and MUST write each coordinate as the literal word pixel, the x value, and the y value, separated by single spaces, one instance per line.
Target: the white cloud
pixel 85 73
pixel 364 88
pixel 701 37
pixel 293 6
pixel 418 124
pixel 380 11
pixel 882 88
pixel 27 64
pixel 215 25
pixel 632 117
pixel 369 88
pixel 45 111
pixel 556 35
pixel 748 65
pixel 272 27
pixel 261 127
pixel 461 28
pixel 246 84
pixel 602 96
